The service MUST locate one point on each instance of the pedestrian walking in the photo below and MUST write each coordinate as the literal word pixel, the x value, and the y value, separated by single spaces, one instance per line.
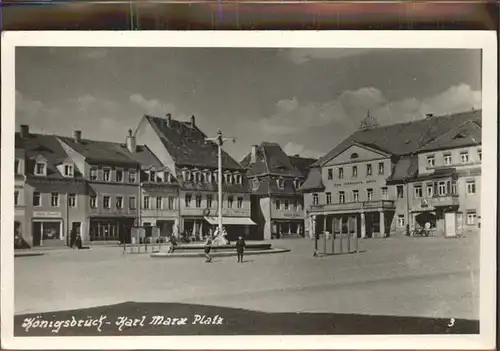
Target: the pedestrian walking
pixel 208 248
pixel 78 241
pixel 240 248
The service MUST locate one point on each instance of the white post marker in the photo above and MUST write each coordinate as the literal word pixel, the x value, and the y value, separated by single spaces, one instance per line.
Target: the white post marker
pixel 220 140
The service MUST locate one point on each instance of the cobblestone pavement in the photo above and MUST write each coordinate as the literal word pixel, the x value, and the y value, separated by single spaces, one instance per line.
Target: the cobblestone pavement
pixel 429 277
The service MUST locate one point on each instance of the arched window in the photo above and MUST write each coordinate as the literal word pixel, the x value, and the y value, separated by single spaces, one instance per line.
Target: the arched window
pixel 255 184
pixel 354 155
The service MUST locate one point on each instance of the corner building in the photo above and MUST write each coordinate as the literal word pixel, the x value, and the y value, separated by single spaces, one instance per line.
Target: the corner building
pixel 388 180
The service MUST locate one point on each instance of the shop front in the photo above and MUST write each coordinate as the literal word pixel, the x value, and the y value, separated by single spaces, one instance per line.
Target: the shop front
pixel 48 229
pixel 235 226
pixel 281 227
pixel 111 229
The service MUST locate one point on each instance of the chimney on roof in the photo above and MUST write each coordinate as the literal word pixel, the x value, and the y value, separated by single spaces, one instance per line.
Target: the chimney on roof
pixel 131 144
pixel 429 115
pixel 253 154
pixel 25 131
pixel 169 119
pixel 77 136
pixel 193 121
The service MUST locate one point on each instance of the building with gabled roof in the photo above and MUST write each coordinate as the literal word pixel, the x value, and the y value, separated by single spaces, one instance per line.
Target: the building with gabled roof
pixel 183 147
pixel 49 190
pixel 373 182
pixel 274 178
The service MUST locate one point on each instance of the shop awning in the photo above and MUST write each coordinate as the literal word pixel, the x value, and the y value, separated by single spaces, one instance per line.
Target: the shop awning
pixel 230 220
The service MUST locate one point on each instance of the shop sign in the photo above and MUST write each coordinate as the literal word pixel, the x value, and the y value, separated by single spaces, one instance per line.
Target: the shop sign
pixel 47 214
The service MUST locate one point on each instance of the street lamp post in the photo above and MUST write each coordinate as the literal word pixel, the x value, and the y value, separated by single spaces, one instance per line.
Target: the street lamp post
pixel 220 140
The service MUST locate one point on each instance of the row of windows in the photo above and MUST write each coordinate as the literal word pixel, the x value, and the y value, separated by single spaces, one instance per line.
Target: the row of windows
pixel 448 158
pixel 470 219
pixel 54 199
pixel 442 188
pixel 118 175
pixel 280 183
pixel 188 200
pixel 288 205
pixel 354 171
pixel 209 177
pixel 161 202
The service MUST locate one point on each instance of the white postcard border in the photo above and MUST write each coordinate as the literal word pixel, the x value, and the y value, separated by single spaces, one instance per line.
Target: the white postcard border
pixel 485 40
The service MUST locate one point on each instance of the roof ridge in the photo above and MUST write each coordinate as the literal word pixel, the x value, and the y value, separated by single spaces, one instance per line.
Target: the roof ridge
pixel 447 133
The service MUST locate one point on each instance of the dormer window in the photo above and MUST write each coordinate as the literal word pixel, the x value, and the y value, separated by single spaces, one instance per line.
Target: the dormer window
pixel 119 175
pixel 281 183
pixel 229 178
pixel 354 156
pixel 238 179
pixel 167 177
pixel 40 168
pixel 152 175
pixel 68 170
pixel 255 184
pixel 296 183
pixel 197 177
pixel 208 177
pixel 186 175
pixel 216 177
pixel 105 174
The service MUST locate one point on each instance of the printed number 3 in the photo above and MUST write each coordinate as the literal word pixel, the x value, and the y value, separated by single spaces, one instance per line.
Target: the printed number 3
pixel 452 323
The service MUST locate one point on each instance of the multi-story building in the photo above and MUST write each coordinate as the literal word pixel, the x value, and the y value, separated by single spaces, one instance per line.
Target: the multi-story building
pixel 445 191
pixel 113 188
pixel 50 190
pixel 366 183
pixel 182 147
pixel 274 177
pixel 159 192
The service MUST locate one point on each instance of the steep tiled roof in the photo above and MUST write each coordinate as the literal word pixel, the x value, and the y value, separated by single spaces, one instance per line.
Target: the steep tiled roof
pixel 146 158
pixel 405 168
pixel 101 151
pixel 187 146
pixel 467 134
pixel 405 138
pixel 313 181
pixel 47 146
pixel 302 164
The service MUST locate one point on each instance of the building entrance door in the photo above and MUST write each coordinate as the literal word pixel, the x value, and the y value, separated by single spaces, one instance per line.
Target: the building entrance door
pixel 450 224
pixel 37 233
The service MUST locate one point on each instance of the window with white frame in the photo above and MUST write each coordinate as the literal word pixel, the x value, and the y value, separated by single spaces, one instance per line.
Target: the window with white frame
pixel 198 201
pixel 230 200
pixel 54 199
pixel 369 169
pixel 281 183
pixel 37 199
pixel 171 203
pixel 369 194
pixel 119 202
pixel 471 218
pixel 330 173
pixel 229 178
pixel 442 188
pixel 185 175
pixel 480 154
pixel 17 166
pixel 431 161
pixel 159 203
pixel 40 168
pixel 16 198
pixel 239 202
pixel 401 221
pixel 471 186
pixel 208 177
pixel 287 204
pixel 145 202
pixel 187 200
pixel 106 201
pixel 93 201
pixel 132 176
pixel 119 175
pixel 400 194
pixel 278 204
pixel 72 200
pixel 429 190
pixel 315 199
pixel 454 187
pixel 93 173
pixel 105 174
pixel 131 203
pixel 464 156
pixel 384 192
pixel 68 170
pixel 418 191
pixel 216 177
pixel 255 184
pixel 239 179
pixel 209 201
pixel 152 175
pixel 354 171
pixel 355 195
pixel 197 177
pixel 341 197
pixel 328 198
pixel 381 168
pixel 341 172
pixel 447 159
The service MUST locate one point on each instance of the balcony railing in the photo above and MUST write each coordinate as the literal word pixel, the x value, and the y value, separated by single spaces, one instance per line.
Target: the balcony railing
pixel 354 206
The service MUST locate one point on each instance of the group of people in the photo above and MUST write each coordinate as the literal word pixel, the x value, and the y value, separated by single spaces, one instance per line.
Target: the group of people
pixel 240 248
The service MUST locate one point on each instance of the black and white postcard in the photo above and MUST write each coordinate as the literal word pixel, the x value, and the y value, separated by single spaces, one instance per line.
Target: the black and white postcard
pixel 228 190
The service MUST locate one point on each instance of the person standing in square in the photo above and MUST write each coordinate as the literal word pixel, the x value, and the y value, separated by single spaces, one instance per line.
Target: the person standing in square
pixel 240 248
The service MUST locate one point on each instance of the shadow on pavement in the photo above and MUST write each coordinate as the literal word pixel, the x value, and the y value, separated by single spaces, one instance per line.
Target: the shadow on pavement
pixel 132 318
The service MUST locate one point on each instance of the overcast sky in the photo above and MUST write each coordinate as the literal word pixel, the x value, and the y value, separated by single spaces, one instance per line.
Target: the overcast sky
pixel 307 100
